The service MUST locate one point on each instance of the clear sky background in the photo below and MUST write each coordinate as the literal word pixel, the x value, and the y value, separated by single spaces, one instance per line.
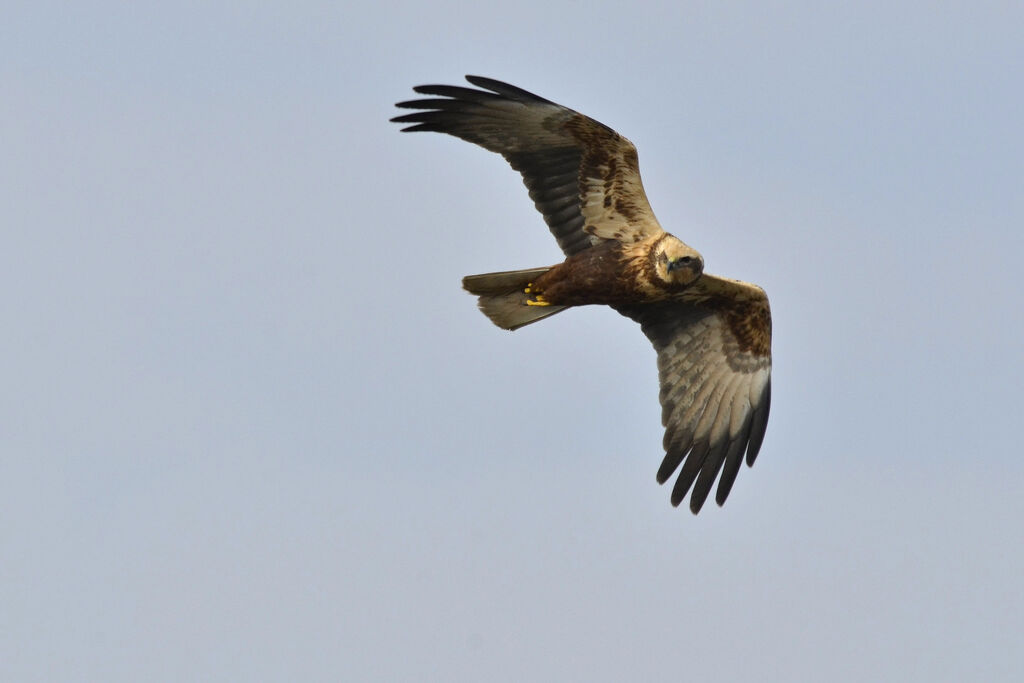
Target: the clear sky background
pixel 252 429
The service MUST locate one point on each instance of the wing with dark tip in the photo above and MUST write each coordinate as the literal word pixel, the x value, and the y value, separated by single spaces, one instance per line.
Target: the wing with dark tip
pixel 714 365
pixel 583 177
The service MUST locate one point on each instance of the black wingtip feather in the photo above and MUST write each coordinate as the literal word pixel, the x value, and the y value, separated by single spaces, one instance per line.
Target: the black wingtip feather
pixel 457 93
pixel 432 103
pixel 415 117
pixel 700 494
pixel 691 468
pixel 432 127
pixel 708 473
pixel 505 89
pixel 733 462
pixel 758 426
pixel 669 465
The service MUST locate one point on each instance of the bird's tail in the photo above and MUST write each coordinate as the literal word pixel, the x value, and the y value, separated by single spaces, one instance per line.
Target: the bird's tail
pixel 503 300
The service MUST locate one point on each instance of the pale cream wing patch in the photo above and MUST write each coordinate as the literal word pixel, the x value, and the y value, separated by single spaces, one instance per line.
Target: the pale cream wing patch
pixel 612 198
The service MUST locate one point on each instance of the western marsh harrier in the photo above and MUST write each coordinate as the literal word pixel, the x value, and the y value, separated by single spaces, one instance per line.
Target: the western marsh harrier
pixel 712 334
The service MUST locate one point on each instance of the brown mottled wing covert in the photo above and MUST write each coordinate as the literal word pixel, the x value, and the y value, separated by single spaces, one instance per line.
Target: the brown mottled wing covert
pixel 582 175
pixel 714 364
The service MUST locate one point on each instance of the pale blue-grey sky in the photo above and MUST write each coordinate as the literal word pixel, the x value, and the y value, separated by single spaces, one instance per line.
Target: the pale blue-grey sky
pixel 253 430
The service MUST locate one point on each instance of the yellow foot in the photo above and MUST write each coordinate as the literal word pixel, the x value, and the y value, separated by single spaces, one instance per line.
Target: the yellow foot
pixel 537 300
pixel 534 298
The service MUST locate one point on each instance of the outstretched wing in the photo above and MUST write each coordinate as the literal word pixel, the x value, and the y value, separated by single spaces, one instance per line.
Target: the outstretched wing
pixel 714 364
pixel 582 175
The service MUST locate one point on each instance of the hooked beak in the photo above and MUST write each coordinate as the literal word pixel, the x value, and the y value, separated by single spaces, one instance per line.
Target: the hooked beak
pixel 694 263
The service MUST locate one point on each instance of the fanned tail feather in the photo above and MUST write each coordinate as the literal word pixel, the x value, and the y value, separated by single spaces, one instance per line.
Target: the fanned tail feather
pixel 502 299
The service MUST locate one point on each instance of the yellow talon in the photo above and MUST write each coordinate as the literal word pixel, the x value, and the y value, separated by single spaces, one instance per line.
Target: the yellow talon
pixel 537 300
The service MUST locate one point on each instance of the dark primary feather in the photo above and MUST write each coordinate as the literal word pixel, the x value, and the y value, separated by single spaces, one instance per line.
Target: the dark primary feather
pixel 506 89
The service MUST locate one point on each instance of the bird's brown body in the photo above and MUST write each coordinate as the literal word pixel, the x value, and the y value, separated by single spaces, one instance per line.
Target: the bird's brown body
pixel 712 334
pixel 610 273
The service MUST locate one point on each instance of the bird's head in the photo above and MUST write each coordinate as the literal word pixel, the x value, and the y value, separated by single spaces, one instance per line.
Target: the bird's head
pixel 677 263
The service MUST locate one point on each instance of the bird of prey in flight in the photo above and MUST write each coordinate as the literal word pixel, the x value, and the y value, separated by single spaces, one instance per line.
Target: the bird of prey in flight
pixel 712 334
